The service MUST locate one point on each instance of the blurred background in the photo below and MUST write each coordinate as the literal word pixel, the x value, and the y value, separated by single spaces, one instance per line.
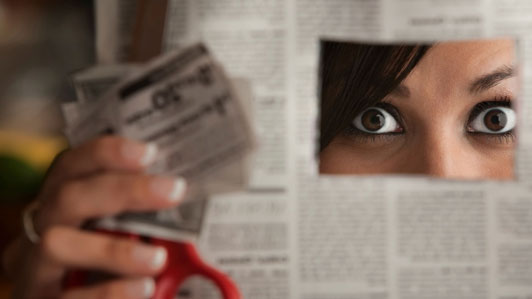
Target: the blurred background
pixel 41 43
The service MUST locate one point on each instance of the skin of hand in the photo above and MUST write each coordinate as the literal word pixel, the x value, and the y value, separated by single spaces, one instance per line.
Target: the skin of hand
pixel 101 178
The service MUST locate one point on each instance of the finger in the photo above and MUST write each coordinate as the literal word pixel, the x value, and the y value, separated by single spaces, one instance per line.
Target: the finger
pixel 108 194
pixel 72 248
pixel 138 288
pixel 104 153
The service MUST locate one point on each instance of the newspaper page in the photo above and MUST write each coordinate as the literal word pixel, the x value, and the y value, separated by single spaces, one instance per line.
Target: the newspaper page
pixel 298 234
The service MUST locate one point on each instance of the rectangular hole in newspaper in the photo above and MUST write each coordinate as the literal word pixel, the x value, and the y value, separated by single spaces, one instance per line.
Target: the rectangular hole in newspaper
pixel 444 110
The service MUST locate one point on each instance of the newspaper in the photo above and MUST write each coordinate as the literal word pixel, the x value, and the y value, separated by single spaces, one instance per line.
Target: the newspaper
pixel 296 234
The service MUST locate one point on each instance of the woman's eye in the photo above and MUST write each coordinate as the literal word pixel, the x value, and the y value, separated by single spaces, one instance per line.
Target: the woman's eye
pixel 375 120
pixel 494 120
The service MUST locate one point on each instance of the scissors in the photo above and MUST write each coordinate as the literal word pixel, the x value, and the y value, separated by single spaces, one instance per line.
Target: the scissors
pixel 182 262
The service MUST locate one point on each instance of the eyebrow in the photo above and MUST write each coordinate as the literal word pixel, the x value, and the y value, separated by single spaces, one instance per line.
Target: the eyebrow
pixel 489 80
pixel 481 84
pixel 401 90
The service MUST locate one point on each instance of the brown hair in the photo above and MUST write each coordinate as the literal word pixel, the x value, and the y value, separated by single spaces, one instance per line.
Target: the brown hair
pixel 355 76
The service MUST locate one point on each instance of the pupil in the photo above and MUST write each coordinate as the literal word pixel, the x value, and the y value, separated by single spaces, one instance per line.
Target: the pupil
pixel 373 120
pixel 377 120
pixel 495 120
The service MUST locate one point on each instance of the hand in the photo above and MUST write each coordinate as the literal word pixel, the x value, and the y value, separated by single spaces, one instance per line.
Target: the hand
pixel 101 178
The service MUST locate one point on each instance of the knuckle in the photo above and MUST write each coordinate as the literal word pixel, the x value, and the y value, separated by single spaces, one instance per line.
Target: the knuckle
pixel 102 146
pixel 106 291
pixel 66 295
pixel 61 162
pixel 117 289
pixel 49 241
pixel 136 185
pixel 120 250
pixel 60 159
pixel 129 187
pixel 117 187
pixel 107 141
pixel 117 184
pixel 67 205
pixel 66 192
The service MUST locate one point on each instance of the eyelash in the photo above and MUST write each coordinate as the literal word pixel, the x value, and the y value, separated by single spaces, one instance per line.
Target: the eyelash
pixel 501 101
pixel 502 138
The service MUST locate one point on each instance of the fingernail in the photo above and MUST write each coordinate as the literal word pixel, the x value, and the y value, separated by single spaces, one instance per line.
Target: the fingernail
pixel 153 257
pixel 144 154
pixel 142 287
pixel 171 189
pixel 149 287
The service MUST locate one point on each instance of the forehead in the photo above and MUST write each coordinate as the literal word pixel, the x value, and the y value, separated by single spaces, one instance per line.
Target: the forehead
pixel 450 62
pixel 473 52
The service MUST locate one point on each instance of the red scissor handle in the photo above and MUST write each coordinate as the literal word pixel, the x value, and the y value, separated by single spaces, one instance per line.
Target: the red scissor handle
pixel 182 262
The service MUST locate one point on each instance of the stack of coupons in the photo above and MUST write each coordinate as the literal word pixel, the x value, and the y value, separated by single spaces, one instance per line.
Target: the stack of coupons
pixel 183 103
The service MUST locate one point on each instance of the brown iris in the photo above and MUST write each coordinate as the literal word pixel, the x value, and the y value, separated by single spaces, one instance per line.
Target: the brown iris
pixel 373 120
pixel 495 120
